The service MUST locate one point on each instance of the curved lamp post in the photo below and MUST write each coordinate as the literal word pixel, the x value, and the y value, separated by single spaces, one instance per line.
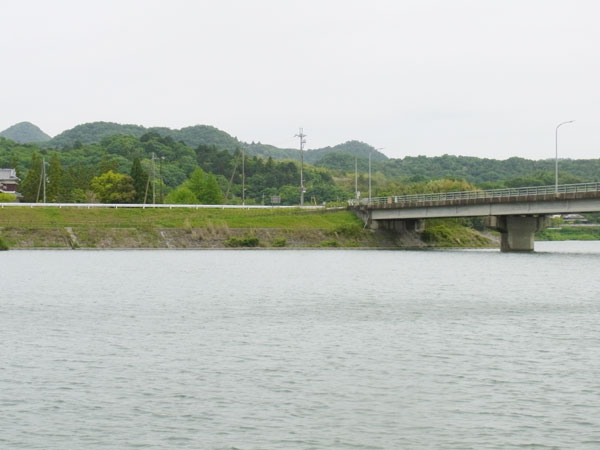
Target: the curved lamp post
pixel 556 156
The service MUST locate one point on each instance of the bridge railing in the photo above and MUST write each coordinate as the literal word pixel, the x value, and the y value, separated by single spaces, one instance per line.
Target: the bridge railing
pixel 506 193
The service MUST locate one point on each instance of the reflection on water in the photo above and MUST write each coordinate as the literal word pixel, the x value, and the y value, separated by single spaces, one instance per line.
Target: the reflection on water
pixel 300 349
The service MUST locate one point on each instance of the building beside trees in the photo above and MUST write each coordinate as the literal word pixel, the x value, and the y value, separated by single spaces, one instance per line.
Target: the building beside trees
pixel 9 182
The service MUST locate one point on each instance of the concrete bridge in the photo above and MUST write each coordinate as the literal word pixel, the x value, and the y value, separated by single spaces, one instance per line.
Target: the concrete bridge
pixel 516 212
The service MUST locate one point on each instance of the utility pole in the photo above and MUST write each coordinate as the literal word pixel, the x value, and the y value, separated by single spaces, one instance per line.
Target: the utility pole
pixel 44 177
pixel 42 180
pixel 370 153
pixel 243 176
pixel 153 180
pixel 301 135
pixel 356 177
pixel 161 178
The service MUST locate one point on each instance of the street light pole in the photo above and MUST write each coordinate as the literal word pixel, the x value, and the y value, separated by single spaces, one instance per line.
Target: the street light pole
pixel 556 155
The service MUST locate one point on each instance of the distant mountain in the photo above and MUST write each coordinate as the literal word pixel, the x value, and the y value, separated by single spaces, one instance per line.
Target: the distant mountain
pixel 89 133
pixel 194 136
pixel 25 133
pixel 354 148
pixel 350 148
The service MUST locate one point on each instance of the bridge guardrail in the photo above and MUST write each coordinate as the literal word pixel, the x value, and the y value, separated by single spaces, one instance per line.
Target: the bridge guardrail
pixel 505 193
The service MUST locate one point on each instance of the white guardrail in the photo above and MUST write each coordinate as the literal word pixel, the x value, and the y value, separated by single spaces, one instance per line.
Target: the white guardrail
pixel 150 206
pixel 479 194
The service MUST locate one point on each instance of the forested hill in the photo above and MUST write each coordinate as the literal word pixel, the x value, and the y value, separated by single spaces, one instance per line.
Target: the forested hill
pixel 160 168
pixel 25 133
pixel 93 133
pixel 483 172
pixel 350 149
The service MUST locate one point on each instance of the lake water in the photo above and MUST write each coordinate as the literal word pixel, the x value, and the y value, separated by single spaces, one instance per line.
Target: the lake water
pixel 301 349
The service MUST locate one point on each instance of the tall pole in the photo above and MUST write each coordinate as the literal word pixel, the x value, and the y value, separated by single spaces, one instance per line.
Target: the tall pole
pixel 370 153
pixel 556 155
pixel 243 176
pixel 153 180
pixel 301 135
pixel 44 177
pixel 356 177
pixel 161 178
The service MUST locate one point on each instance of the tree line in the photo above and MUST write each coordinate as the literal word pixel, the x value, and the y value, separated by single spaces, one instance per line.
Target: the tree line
pixel 154 168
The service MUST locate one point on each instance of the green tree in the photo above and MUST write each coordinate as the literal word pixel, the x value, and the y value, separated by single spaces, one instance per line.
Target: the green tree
pixel 205 187
pixel 55 188
pixel 112 187
pixel 31 186
pixel 181 196
pixel 212 194
pixel 140 180
pixel 108 164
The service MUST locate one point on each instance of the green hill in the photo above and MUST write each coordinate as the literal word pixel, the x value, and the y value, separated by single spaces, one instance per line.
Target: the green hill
pixel 91 133
pixel 354 148
pixel 347 150
pixel 25 133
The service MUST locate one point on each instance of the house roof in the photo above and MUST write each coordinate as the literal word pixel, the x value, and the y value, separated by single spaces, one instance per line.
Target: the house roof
pixel 8 174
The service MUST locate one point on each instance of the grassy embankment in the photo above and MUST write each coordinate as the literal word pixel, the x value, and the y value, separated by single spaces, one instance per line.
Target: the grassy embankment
pixel 210 228
pixel 569 233
pixel 452 233
pixel 178 228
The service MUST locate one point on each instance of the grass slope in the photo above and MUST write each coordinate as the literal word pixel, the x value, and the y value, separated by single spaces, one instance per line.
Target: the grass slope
pixel 173 218
pixel 180 228
pixel 450 233
pixel 566 233
pixel 73 227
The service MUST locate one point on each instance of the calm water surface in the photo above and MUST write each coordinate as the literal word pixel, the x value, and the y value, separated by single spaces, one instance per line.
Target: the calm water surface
pixel 300 349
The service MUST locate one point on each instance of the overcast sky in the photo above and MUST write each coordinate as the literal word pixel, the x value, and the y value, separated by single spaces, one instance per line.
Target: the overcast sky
pixel 416 77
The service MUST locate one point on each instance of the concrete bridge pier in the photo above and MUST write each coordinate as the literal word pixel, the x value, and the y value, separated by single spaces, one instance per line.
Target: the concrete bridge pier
pixel 396 225
pixel 400 225
pixel 517 232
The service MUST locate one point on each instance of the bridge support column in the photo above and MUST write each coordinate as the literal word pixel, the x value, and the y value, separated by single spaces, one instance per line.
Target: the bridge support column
pixel 517 232
pixel 400 226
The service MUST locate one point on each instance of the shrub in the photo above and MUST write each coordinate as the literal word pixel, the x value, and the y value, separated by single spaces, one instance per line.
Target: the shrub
pixel 279 242
pixel 330 243
pixel 246 241
pixel 437 233
pixel 7 198
pixel 3 244
pixel 187 226
pixel 349 230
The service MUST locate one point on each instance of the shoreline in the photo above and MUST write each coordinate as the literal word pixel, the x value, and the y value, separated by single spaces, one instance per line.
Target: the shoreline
pixel 44 228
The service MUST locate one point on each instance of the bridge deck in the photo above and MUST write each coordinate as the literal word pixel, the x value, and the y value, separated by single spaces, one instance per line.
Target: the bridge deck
pixel 571 198
pixel 390 202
